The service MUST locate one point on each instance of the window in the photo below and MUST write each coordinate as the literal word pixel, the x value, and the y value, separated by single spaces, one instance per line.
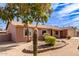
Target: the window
pixel 44 31
pixel 56 32
pixel 26 32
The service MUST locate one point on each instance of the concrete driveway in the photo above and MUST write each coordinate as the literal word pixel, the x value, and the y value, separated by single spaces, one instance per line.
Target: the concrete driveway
pixel 15 49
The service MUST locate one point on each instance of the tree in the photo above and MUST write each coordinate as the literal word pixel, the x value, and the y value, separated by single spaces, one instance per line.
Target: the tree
pixel 6 14
pixel 41 12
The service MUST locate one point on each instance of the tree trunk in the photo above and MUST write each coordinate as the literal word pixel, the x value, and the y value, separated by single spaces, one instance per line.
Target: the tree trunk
pixel 27 26
pixel 7 25
pixel 28 33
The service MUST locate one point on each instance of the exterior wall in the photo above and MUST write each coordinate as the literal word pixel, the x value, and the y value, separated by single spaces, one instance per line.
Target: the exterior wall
pixel 20 35
pixel 40 32
pixel 77 34
pixel 5 37
pixel 54 33
pixel 30 36
pixel 12 30
pixel 63 33
pixel 17 33
pixel 49 31
pixel 71 32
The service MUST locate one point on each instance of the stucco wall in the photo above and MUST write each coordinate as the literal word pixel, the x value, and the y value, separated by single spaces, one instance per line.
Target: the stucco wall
pixel 20 35
pixel 17 33
pixel 54 33
pixel 71 32
pixel 40 33
pixel 49 31
pixel 77 34
pixel 11 29
pixel 63 33
pixel 5 37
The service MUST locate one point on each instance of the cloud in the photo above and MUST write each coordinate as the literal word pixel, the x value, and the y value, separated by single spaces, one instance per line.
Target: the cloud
pixel 65 14
pixel 69 8
pixel 72 22
pixel 60 6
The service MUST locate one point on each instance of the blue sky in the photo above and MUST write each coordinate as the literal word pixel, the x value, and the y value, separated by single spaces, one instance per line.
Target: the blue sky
pixel 64 14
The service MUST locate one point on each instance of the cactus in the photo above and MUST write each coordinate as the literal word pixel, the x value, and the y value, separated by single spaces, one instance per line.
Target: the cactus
pixel 35 38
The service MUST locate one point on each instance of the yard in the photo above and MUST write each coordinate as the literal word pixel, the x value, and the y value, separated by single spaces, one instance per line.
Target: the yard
pixel 15 49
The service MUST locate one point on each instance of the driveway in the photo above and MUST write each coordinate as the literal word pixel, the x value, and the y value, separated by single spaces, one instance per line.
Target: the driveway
pixel 15 49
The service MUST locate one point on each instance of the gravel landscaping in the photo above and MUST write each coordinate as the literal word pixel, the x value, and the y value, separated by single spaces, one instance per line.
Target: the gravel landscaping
pixel 42 46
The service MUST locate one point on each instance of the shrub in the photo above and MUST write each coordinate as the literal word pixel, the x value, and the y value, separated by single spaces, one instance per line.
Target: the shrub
pixel 50 40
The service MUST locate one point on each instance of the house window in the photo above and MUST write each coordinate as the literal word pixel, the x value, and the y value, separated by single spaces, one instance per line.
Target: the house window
pixel 26 32
pixel 44 31
pixel 56 32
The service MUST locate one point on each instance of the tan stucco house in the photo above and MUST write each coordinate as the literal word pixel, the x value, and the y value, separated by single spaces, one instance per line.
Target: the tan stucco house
pixel 19 32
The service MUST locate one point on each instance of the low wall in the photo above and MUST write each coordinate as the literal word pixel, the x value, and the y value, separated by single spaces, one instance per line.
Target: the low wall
pixel 5 37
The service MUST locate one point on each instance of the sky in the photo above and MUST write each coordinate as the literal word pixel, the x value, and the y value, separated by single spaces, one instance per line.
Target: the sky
pixel 63 15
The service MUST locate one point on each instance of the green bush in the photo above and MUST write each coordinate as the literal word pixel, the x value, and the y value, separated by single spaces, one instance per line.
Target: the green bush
pixel 50 40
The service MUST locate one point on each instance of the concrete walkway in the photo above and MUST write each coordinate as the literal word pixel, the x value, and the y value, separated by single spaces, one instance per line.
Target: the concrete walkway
pixel 15 49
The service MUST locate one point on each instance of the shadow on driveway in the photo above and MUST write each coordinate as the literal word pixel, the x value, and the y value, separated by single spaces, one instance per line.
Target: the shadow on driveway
pixel 8 42
pixel 4 46
pixel 2 49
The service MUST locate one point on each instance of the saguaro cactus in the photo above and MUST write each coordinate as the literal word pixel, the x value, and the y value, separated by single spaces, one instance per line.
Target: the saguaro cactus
pixel 35 38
